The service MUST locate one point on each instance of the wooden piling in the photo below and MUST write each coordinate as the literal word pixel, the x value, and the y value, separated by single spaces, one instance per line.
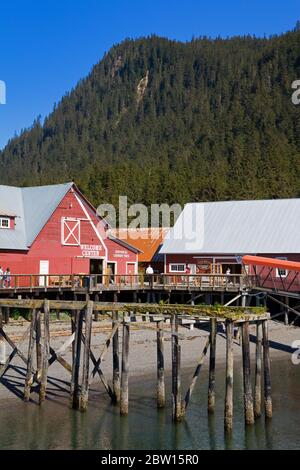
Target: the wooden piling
pixel 258 370
pixel 6 315
pixel 116 359
pixel 29 375
pixel 45 353
pixel 124 400
pixel 38 334
pixel 86 357
pixel 160 366
pixel 96 314
pixel 177 408
pixel 248 397
pixel 267 371
pixel 212 366
pixel 2 341
pixel 228 412
pixel 74 389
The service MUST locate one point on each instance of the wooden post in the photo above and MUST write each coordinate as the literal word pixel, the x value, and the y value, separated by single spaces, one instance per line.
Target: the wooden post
pixel 38 334
pixel 86 357
pixel 248 398
pixel 267 371
pixel 46 353
pixel 177 409
pixel 96 312
pixel 160 366
pixel 57 311
pixel 7 309
pixel 116 359
pixel 229 377
pixel 29 376
pixel 258 369
pixel 2 341
pixel 212 365
pixel 286 311
pixel 74 391
pixel 125 370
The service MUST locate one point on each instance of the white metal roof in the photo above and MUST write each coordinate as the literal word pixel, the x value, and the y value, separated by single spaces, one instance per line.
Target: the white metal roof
pixel 32 207
pixel 236 227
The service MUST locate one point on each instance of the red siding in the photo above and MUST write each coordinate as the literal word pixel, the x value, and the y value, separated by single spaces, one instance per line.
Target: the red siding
pixel 69 259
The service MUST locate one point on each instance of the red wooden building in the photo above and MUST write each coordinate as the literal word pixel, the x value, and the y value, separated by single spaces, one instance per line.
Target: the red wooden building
pixel 210 238
pixel 54 230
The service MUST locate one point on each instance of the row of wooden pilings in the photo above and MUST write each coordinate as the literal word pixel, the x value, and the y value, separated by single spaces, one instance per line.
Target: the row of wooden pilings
pixel 83 356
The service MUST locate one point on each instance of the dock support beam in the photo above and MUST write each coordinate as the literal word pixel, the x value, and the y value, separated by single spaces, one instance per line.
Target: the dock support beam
pixel 248 397
pixel 212 366
pixel 84 394
pixel 124 402
pixel 228 416
pixel 160 366
pixel 116 359
pixel 2 342
pixel 45 353
pixel 267 371
pixel 29 374
pixel 177 409
pixel 76 360
pixel 258 369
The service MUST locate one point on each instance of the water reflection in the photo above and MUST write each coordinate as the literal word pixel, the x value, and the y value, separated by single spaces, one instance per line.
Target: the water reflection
pixel 56 426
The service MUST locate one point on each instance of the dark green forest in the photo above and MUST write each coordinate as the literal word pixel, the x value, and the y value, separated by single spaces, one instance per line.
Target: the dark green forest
pixel 164 121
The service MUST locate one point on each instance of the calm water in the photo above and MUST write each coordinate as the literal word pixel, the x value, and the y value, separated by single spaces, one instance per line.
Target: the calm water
pixel 55 426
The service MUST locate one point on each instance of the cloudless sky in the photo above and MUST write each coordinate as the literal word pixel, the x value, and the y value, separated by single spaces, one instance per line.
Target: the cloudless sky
pixel 46 46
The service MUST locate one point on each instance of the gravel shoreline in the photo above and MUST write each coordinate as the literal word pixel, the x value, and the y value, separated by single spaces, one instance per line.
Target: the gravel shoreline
pixel 142 353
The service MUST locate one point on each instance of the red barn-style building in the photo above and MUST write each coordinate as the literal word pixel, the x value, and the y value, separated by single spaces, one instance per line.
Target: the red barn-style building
pixel 55 230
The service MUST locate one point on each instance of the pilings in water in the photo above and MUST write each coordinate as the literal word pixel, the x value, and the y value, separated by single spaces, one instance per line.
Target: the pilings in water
pixel 167 320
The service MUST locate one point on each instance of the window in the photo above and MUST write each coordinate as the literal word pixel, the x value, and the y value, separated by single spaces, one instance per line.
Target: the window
pixel 4 222
pixel 177 268
pixel 281 272
pixel 70 232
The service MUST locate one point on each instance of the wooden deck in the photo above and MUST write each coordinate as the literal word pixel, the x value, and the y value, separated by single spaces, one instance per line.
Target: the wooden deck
pixel 103 283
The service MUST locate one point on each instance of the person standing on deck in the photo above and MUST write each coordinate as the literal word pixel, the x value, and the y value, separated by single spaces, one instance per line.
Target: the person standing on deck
pixel 7 278
pixel 1 276
pixel 150 272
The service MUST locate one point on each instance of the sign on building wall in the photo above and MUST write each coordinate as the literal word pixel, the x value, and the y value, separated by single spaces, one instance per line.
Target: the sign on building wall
pixel 91 251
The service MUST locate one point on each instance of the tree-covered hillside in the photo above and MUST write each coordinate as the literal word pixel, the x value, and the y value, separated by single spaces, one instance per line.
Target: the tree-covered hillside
pixel 164 121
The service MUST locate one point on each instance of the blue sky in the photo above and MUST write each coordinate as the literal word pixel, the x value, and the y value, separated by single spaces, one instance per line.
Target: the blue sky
pixel 47 46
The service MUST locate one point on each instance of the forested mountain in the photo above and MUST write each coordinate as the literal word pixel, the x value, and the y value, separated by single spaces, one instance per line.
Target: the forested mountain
pixel 164 121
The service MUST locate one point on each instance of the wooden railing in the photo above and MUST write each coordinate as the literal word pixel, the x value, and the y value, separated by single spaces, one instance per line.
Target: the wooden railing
pixel 129 281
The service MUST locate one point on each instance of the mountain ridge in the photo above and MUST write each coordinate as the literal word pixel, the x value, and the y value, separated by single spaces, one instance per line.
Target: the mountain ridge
pixel 164 121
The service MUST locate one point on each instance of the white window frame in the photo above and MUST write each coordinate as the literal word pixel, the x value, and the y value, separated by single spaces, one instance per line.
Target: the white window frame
pixel 7 219
pixel 281 269
pixel 172 270
pixel 64 239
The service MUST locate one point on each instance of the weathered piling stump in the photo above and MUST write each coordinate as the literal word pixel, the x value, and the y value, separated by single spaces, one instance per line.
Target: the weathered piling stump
pixel 212 366
pixel 86 357
pixel 29 372
pixel 228 411
pixel 248 396
pixel 116 359
pixel 45 353
pixel 161 399
pixel 267 371
pixel 124 400
pixel 258 370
